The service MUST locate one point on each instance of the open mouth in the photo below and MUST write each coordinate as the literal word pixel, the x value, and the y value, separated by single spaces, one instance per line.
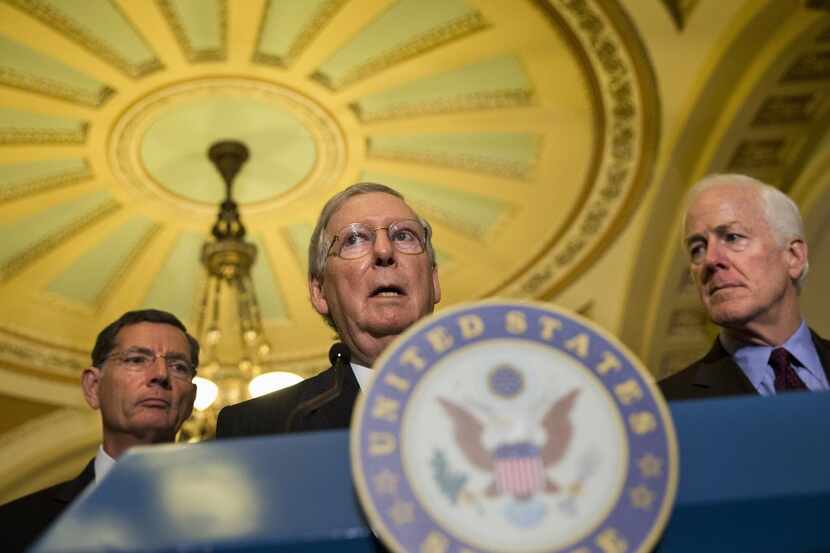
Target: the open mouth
pixel 387 292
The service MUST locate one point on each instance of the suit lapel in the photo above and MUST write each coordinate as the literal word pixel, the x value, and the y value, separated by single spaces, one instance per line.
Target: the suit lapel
pixel 823 350
pixel 337 412
pixel 721 375
pixel 70 489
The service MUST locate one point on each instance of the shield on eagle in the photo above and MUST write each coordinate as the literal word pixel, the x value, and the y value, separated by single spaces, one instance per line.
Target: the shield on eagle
pixel 518 469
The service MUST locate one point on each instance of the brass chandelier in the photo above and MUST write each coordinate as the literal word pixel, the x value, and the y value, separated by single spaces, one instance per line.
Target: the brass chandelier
pixel 230 331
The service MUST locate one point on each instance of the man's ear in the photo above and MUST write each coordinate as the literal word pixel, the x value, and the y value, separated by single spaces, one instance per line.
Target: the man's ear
pixel 190 401
pixel 318 298
pixel 796 258
pixel 90 381
pixel 436 286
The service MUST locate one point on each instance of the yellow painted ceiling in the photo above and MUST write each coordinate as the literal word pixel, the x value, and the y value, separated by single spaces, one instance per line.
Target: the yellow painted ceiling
pixel 505 123
pixel 548 141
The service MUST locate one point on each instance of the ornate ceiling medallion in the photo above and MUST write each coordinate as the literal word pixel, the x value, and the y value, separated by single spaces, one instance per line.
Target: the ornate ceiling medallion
pixel 158 144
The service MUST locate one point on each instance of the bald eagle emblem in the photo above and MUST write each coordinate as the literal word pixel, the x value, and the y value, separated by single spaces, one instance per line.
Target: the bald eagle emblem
pixel 515 448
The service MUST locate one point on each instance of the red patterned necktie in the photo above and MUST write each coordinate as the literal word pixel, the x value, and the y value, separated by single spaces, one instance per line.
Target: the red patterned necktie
pixel 785 376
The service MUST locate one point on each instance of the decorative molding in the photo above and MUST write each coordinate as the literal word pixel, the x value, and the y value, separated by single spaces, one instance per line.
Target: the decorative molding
pixel 23 351
pixel 50 16
pixel 496 99
pixel 786 109
pixel 760 153
pixel 22 260
pixel 18 335
pixel 128 132
pixel 27 356
pixel 625 90
pixel 430 40
pixel 195 56
pixel 45 184
pixel 680 11
pixel 808 67
pixel 48 87
pixel 12 135
pixel 322 16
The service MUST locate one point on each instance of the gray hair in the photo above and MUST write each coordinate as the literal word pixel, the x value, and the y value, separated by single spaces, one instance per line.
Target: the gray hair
pixel 780 212
pixel 318 247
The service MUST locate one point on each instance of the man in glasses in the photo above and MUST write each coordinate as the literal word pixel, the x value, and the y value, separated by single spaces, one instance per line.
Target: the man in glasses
pixel 141 380
pixel 371 275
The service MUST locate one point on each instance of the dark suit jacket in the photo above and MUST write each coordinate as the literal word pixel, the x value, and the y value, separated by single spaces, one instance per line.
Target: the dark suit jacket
pixel 269 414
pixel 717 375
pixel 23 520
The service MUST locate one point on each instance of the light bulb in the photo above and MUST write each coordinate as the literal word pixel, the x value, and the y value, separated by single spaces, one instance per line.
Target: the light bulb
pixel 206 393
pixel 271 382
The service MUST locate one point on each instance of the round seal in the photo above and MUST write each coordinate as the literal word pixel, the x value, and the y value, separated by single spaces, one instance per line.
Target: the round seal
pixel 513 427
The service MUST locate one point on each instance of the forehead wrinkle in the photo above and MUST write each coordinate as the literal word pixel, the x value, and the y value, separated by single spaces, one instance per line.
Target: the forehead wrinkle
pixel 373 221
pixel 139 349
pixel 720 228
pixel 174 354
pixel 723 227
pixel 371 217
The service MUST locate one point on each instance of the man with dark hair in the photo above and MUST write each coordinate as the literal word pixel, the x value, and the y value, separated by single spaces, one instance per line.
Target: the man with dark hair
pixel 141 379
pixel 371 275
pixel 748 257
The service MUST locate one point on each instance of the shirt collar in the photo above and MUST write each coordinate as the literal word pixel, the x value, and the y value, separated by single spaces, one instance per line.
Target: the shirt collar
pixel 754 359
pixel 803 349
pixel 364 375
pixel 103 464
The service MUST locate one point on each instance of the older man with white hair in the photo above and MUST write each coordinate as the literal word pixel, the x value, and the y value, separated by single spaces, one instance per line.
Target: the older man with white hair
pixel 748 257
pixel 371 275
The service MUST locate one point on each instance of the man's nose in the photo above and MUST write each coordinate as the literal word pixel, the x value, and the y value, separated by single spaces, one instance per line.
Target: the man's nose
pixel 384 251
pixel 158 373
pixel 715 257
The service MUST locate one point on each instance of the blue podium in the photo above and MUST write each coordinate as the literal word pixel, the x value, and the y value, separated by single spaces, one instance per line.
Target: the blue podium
pixel 754 476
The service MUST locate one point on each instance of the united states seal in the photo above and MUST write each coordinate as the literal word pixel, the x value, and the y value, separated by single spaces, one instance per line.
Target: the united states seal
pixel 513 427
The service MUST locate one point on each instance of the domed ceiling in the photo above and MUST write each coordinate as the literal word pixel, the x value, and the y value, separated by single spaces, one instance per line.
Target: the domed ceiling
pixel 517 128
pixel 549 142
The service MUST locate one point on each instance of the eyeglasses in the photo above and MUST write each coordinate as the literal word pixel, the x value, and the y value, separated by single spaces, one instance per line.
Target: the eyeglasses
pixel 141 360
pixel 407 236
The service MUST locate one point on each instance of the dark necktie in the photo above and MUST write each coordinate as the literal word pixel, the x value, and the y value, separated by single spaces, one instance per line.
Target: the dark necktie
pixel 785 376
